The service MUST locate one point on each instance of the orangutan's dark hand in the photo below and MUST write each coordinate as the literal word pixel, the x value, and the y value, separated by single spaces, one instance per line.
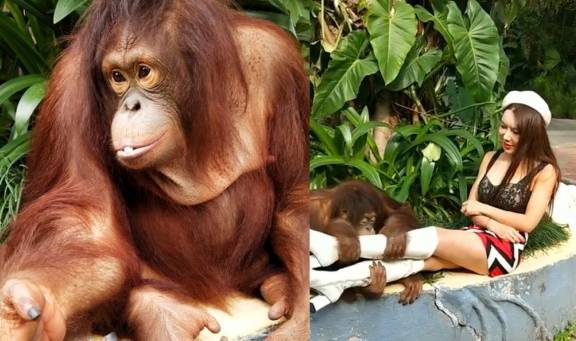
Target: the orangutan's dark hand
pixel 395 247
pixel 348 249
pixel 377 281
pixel 412 288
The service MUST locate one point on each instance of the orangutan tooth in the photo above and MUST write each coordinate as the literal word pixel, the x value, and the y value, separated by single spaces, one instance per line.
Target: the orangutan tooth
pixel 128 149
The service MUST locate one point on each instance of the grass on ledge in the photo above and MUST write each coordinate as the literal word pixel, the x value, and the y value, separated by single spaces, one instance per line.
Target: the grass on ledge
pixel 568 334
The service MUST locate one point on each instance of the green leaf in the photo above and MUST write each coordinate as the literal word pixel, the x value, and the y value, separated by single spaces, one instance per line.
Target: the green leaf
pixel 353 116
pixel 408 130
pixel 404 192
pixel 17 16
pixel 65 7
pixel 18 84
pixel 28 103
pixel 504 66
pixel 440 19
pixel 393 149
pixel 392 27
pixel 426 171
pixel 364 128
pixel 14 150
pixel 20 46
pixel 326 141
pixel 369 172
pixel 346 134
pixel 33 8
pixel 341 80
pixel 444 142
pixel 475 48
pixel 551 59
pixel 469 137
pixel 416 68
pixel 462 187
pixel 295 9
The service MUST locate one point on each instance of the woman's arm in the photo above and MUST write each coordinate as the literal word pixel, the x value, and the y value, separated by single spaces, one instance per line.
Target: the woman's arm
pixel 479 220
pixel 544 184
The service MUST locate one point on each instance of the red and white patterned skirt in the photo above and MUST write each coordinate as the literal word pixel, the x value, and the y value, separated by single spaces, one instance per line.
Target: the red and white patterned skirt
pixel 503 256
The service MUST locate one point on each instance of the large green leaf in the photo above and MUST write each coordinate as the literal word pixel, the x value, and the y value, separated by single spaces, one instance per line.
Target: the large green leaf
pixel 345 132
pixel 65 7
pixel 416 68
pixel 13 150
pixel 28 103
pixel 475 48
pixel 368 171
pixel 295 9
pixel 439 18
pixel 426 171
pixel 392 26
pixel 18 84
pixel 341 80
pixel 469 137
pixel 326 141
pixel 504 67
pixel 404 192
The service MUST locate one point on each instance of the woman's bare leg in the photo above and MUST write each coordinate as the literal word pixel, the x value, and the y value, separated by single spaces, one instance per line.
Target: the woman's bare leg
pixel 458 248
pixel 435 264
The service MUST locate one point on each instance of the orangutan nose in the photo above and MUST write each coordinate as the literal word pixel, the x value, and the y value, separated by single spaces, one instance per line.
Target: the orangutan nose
pixel 132 103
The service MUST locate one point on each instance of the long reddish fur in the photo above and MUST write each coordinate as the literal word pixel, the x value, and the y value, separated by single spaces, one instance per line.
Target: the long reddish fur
pixel 205 251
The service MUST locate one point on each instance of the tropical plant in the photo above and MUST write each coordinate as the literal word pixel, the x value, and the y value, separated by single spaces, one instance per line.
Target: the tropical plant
pixel 28 46
pixel 543 59
pixel 439 69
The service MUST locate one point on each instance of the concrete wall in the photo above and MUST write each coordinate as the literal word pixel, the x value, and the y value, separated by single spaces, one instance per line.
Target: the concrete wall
pixel 534 303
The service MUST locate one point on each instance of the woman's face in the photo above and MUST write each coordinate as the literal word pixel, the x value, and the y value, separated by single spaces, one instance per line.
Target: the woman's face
pixel 508 132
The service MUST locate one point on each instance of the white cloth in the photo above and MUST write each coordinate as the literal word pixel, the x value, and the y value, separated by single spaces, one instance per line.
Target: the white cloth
pixel 564 209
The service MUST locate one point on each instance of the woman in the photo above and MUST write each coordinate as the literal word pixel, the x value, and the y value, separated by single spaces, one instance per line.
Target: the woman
pixel 512 192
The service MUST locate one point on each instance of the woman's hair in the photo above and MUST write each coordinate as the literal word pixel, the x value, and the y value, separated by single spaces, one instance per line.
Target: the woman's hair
pixel 533 147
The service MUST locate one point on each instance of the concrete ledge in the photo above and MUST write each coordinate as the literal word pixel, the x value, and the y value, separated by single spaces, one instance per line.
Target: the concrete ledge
pixel 533 303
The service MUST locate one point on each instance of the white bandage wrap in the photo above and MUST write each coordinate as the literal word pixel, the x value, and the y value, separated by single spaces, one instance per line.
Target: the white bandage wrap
pixel 314 263
pixel 420 244
pixel 319 302
pixel 402 268
pixel 333 283
pixel 324 247
pixel 372 246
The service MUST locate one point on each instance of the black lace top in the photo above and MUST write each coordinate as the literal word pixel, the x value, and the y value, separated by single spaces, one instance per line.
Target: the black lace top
pixel 512 197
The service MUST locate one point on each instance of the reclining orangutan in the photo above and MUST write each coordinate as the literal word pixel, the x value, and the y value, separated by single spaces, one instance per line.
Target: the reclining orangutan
pixel 355 208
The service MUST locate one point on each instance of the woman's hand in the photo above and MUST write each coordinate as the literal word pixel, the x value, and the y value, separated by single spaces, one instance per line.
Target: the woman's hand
pixel 472 208
pixel 505 232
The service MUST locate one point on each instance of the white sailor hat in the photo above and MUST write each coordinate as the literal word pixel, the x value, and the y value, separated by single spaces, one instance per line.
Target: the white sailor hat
pixel 531 99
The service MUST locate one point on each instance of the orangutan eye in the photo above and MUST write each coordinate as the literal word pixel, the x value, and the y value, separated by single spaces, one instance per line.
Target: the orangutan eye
pixel 118 77
pixel 143 71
